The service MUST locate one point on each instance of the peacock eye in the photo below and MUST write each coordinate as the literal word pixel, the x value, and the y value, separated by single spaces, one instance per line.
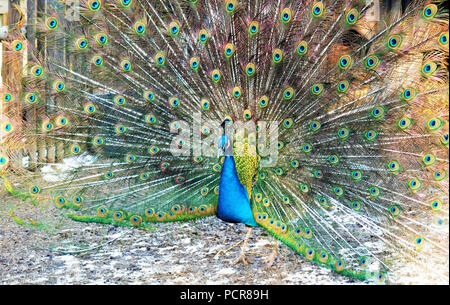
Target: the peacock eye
pixel 203 35
pixel 394 41
pixel 443 39
pixel 81 43
pixel 363 262
pixel 315 126
pixel 440 175
pixel 444 139
pixel 288 93
pixel 377 112
pixel 317 89
pixel 356 205
pixel 51 23
pixel 97 60
pixel 429 11
pixel 215 76
pixel 343 86
pixel 277 56
pixel 7 97
pixel 59 86
pixel 205 105
pixel 370 135
pixel 287 123
pixel 34 190
pixel 429 68
pixel 253 28
pixel 318 174
pixel 286 15
pixel 101 39
pixel 317 9
pixel 7 127
pixel 139 27
pixel 436 205
pixel 250 69
pixel 160 59
pixel 356 175
pixel 174 102
pixel 174 28
pixel 30 98
pixel 37 71
pixel 434 124
pixel 371 62
pixel 229 50
pixel 17 45
pixel 94 5
pixel 302 47
pixel 236 92
pixel 345 62
pixel 230 6
pixel 125 3
pixel 352 16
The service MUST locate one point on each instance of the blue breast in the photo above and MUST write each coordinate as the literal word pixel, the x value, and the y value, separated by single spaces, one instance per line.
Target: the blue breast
pixel 234 204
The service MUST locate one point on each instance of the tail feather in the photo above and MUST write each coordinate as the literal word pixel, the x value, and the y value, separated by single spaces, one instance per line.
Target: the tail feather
pixel 136 92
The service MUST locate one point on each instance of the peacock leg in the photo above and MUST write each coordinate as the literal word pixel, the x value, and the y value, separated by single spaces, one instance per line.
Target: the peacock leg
pixel 270 259
pixel 227 250
pixel 242 258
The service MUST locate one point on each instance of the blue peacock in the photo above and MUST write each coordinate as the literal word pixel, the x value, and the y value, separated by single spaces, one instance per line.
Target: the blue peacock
pixel 309 119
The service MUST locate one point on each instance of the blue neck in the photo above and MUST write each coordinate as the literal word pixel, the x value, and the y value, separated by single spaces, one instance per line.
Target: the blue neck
pixel 234 204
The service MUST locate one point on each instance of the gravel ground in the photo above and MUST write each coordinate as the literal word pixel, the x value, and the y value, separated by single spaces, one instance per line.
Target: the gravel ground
pixel 173 253
pixel 170 253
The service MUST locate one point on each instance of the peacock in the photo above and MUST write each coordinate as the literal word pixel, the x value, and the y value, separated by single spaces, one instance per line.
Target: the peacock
pixel 324 123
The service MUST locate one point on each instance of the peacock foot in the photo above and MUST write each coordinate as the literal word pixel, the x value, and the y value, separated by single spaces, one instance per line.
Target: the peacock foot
pixel 226 250
pixel 270 259
pixel 242 259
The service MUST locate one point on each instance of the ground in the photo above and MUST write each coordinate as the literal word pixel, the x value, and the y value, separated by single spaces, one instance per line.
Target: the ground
pixel 170 253
pixel 173 253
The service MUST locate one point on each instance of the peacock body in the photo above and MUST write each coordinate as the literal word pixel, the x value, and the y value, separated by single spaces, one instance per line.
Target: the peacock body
pixel 310 119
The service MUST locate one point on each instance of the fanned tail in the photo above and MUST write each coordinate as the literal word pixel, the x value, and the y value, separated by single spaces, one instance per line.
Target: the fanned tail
pixel 135 93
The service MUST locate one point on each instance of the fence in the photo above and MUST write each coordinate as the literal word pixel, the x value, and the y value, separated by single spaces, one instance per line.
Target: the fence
pixel 12 65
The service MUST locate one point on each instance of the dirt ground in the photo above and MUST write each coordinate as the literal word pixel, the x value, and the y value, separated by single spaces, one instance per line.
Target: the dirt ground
pixel 173 253
pixel 170 253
